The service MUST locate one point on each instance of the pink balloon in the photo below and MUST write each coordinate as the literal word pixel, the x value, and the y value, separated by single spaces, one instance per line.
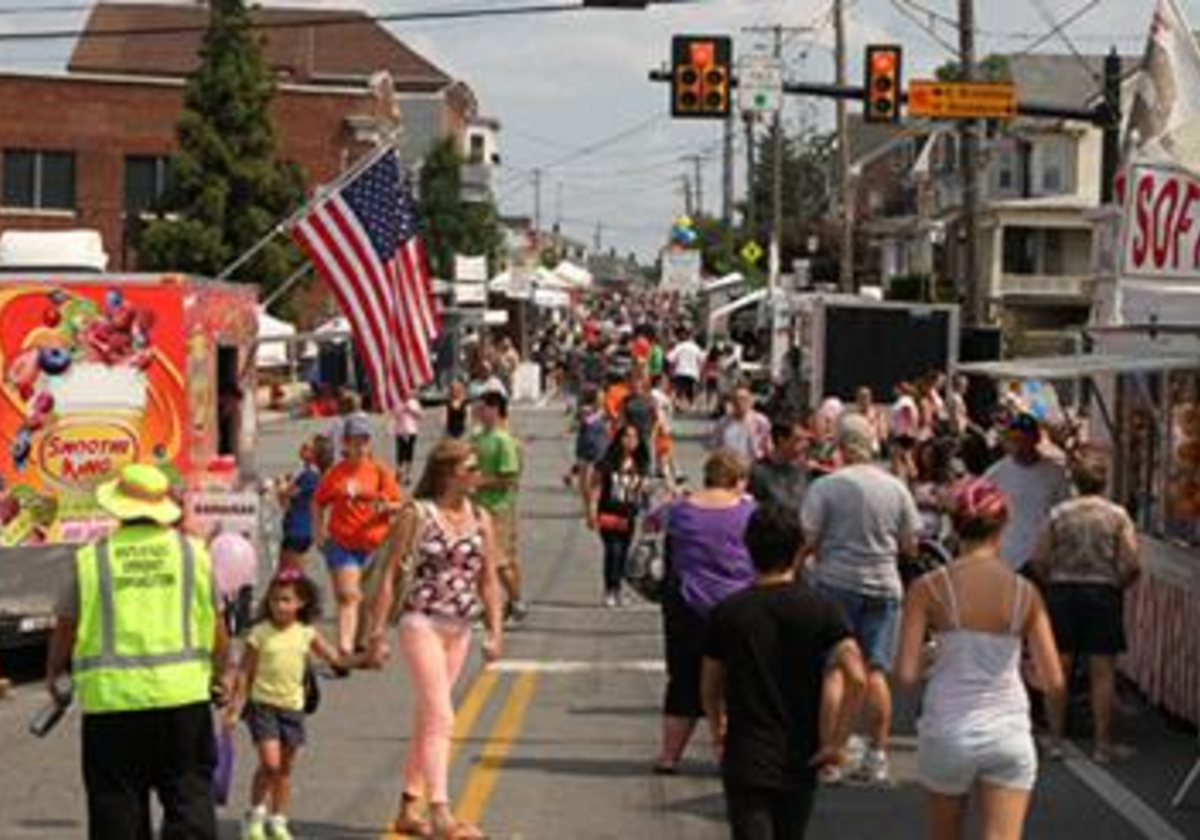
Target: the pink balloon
pixel 235 562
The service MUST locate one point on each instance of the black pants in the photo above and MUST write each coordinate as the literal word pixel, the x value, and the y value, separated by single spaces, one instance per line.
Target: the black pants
pixel 616 553
pixel 126 755
pixel 684 635
pixel 759 814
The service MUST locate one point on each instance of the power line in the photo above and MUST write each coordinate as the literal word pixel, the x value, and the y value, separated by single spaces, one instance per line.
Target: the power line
pixel 1057 29
pixel 476 13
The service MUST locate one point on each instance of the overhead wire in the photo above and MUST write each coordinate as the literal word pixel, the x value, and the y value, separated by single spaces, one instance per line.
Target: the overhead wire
pixel 324 20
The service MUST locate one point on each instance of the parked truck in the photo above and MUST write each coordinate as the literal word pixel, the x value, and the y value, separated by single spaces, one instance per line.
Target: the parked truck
pixel 842 342
pixel 99 370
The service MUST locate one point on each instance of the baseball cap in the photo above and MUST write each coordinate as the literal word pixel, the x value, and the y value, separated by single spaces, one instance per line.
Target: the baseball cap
pixel 357 425
pixel 1024 422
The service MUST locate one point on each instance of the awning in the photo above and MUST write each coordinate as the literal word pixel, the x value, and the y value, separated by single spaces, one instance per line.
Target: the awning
pixel 1078 367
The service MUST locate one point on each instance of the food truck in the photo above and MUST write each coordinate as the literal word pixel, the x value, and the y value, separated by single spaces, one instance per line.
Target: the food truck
pixel 101 370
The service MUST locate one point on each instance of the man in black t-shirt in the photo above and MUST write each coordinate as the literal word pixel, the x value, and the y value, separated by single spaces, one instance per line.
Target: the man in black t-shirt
pixel 775 714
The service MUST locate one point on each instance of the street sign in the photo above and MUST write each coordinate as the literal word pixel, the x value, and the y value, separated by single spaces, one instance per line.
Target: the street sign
pixel 751 252
pixel 961 100
pixel 760 84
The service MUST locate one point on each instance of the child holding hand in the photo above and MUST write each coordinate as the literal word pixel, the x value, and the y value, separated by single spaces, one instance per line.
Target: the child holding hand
pixel 271 695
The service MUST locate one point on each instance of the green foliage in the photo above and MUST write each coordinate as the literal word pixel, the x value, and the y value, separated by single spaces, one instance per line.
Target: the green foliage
pixel 227 189
pixel 809 159
pixel 449 225
pixel 993 68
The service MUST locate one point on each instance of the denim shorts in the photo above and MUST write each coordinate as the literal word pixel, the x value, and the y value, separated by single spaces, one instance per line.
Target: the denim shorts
pixel 875 623
pixel 951 764
pixel 339 557
pixel 270 723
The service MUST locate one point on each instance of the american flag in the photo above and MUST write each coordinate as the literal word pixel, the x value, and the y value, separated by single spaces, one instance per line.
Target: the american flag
pixel 363 240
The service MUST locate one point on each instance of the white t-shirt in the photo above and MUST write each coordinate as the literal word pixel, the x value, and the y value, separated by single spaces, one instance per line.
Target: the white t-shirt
pixel 905 417
pixel 686 357
pixel 1032 491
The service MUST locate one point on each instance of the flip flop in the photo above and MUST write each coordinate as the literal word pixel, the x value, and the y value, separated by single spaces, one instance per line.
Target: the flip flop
pixel 410 827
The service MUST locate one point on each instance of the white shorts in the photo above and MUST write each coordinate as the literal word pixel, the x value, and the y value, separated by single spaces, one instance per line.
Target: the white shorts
pixel 952 764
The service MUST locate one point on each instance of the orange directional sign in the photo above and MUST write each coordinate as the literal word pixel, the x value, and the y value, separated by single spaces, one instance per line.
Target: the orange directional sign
pixel 961 100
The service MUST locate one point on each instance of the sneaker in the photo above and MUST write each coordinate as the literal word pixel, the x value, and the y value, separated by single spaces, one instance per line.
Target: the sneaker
pixel 279 829
pixel 875 769
pixel 254 828
pixel 610 600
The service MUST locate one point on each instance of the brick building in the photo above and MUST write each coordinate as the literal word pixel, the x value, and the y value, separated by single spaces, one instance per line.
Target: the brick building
pixel 90 147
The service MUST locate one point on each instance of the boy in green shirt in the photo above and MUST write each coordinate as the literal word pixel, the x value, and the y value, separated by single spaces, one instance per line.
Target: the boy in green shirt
pixel 499 456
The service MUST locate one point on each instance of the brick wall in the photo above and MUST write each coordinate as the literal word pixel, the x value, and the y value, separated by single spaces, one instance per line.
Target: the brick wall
pixel 104 120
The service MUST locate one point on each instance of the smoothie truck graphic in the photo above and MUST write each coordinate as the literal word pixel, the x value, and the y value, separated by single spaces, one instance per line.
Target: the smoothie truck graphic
pixel 87 389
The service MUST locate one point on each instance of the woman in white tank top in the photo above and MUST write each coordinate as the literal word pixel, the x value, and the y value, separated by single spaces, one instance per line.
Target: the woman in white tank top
pixel 974 731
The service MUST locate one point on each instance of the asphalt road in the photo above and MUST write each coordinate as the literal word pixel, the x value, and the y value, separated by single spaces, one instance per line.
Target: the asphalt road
pixel 557 740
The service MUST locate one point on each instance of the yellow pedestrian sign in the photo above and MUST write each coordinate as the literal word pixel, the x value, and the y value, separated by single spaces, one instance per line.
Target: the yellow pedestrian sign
pixel 751 252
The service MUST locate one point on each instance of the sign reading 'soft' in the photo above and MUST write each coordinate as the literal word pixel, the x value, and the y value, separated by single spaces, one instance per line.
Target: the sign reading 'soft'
pixel 1161 224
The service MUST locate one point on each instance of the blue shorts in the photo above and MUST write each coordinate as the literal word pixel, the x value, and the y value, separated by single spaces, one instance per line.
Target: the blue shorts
pixel 339 557
pixel 875 623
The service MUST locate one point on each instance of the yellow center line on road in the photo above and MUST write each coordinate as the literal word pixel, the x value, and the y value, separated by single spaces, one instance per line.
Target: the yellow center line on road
pixel 471 708
pixel 465 717
pixel 483 777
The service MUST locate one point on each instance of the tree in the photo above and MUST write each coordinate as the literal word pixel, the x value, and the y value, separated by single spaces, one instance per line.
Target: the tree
pixel 449 225
pixel 227 188
pixel 808 161
pixel 993 68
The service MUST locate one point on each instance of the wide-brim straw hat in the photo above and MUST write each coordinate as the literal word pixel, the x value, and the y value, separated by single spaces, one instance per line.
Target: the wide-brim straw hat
pixel 140 491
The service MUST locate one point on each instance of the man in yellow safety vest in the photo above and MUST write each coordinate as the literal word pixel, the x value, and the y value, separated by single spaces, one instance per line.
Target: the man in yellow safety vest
pixel 140 631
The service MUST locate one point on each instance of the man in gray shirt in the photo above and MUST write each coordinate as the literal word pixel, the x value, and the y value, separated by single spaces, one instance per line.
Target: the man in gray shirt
pixel 857 523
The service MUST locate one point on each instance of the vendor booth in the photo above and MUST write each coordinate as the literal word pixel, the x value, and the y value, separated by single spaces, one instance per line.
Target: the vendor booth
pixel 1145 403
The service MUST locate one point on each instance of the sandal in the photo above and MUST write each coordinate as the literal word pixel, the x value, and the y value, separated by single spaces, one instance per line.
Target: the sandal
pixel 459 830
pixel 411 827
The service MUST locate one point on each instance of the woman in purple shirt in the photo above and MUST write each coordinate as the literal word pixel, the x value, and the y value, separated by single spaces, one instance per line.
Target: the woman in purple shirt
pixel 709 562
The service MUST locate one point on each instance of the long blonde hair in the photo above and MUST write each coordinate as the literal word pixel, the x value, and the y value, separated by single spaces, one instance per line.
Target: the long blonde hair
pixel 445 458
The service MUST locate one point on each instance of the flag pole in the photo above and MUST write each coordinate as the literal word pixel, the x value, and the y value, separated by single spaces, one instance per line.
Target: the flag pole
pixel 320 194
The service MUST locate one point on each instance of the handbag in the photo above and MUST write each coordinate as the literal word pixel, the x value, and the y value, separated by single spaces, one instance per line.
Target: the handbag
pixel 647 563
pixel 405 571
pixel 312 690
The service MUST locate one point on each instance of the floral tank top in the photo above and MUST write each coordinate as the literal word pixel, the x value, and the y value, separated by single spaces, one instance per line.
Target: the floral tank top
pixel 445 580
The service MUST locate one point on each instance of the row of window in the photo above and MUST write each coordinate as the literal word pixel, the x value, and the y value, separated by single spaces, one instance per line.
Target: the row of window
pixel 45 180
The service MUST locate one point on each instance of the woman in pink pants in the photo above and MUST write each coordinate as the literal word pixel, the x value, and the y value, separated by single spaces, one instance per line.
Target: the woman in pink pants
pixel 453 557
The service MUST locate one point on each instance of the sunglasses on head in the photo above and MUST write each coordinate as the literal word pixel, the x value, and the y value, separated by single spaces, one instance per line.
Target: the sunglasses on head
pixel 289 576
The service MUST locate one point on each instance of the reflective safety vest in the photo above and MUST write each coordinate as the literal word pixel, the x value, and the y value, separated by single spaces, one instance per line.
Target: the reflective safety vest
pixel 146 622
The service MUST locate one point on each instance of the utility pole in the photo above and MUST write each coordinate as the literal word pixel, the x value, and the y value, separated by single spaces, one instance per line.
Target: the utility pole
pixel 698 179
pixel 845 186
pixel 558 205
pixel 537 202
pixel 687 195
pixel 977 294
pixel 774 257
pixel 727 171
pixel 751 220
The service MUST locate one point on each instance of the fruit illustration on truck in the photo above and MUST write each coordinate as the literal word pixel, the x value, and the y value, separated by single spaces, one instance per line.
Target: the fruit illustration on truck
pixel 91 382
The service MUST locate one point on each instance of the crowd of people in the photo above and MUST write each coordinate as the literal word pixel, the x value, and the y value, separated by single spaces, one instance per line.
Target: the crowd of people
pixel 827 557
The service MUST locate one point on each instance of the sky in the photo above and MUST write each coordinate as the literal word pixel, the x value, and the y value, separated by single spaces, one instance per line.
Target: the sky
pixel 573 99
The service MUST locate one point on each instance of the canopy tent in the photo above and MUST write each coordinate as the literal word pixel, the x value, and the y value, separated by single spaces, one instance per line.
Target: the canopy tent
pixel 577 277
pixel 543 278
pixel 274 336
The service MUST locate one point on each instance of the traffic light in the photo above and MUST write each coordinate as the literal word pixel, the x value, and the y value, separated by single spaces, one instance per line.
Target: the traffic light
pixel 700 76
pixel 884 83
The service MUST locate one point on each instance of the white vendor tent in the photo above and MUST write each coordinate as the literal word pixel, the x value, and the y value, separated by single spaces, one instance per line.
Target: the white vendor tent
pixel 577 277
pixel 274 336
